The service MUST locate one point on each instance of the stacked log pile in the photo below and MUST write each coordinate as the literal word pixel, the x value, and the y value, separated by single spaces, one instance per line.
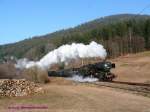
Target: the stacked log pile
pixel 17 87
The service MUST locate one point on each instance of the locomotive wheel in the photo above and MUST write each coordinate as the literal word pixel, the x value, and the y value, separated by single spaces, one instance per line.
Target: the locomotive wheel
pixel 111 76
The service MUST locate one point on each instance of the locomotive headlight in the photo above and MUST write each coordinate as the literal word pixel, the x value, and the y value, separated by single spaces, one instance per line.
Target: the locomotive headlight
pixel 105 65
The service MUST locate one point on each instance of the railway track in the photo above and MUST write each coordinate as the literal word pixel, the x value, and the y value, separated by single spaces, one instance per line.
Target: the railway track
pixel 136 88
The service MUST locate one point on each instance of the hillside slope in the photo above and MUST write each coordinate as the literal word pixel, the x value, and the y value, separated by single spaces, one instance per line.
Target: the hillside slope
pixel 114 32
pixel 133 68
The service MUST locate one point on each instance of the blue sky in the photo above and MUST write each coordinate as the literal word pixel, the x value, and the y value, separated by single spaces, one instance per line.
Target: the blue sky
pixel 20 19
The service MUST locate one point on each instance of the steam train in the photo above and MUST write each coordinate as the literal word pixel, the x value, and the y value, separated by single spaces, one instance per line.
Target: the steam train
pixel 100 70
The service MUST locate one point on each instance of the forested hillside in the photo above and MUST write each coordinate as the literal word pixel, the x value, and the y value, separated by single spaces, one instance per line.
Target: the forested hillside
pixel 120 34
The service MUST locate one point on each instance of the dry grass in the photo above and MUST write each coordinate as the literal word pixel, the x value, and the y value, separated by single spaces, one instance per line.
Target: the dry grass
pixel 133 68
pixel 65 96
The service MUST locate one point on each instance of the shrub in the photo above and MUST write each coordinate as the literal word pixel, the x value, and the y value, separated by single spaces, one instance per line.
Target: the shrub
pixel 62 65
pixel 36 74
pixel 7 71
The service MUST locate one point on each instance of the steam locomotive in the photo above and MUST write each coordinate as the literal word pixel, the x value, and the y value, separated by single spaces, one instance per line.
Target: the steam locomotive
pixel 100 70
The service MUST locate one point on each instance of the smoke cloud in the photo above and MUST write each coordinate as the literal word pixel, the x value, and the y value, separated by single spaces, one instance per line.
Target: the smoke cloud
pixel 65 53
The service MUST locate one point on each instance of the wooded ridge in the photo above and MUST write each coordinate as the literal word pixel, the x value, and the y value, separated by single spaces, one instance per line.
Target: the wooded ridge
pixel 120 35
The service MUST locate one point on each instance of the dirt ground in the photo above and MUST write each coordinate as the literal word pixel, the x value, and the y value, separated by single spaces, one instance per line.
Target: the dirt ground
pixel 66 96
pixel 79 98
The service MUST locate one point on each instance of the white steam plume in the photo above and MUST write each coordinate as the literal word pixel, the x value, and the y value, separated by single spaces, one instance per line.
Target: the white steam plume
pixel 79 78
pixel 65 53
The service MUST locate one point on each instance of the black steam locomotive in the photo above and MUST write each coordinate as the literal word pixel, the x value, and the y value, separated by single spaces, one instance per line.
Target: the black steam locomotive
pixel 100 70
